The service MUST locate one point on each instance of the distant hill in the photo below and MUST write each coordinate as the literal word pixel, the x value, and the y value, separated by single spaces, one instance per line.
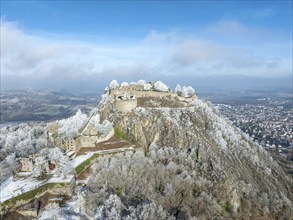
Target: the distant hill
pixel 42 105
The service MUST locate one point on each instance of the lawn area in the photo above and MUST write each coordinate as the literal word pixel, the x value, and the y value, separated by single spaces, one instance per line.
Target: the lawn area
pixel 120 134
pixel 81 167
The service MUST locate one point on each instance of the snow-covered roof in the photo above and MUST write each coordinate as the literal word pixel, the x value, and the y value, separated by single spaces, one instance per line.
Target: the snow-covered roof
pixel 70 153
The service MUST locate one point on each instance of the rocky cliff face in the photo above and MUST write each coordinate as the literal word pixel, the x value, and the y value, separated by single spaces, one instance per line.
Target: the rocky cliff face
pixel 233 176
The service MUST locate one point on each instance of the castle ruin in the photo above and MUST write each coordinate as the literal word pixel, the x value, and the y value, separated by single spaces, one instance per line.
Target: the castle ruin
pixel 132 96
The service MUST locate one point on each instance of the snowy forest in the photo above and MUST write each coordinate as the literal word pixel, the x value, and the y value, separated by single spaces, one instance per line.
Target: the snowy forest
pixel 27 139
pixel 165 184
pixel 20 140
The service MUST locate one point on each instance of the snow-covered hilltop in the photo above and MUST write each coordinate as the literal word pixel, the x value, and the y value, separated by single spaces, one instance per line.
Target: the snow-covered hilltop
pixel 157 154
pixel 142 85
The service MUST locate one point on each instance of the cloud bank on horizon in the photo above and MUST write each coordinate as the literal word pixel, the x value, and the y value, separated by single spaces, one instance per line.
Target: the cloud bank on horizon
pixel 226 47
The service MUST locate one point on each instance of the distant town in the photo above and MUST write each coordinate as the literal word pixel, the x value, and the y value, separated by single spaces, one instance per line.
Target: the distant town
pixel 266 117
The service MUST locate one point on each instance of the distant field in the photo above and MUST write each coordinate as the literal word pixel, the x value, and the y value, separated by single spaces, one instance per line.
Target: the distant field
pixel 45 105
pixel 249 96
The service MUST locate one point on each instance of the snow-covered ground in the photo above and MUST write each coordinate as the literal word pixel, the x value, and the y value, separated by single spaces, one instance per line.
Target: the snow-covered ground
pixel 79 159
pixel 11 188
pixel 14 187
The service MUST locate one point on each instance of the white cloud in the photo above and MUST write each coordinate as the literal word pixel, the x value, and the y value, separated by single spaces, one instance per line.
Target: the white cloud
pixel 23 54
pixel 205 57
pixel 235 30
pixel 159 54
pixel 229 27
pixel 195 51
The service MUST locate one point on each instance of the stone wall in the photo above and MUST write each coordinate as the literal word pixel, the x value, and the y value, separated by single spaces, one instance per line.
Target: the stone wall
pixel 139 92
pixel 33 214
pixel 127 89
pixel 165 102
pixel 126 105
pixel 121 154
pixel 91 141
pixel 86 141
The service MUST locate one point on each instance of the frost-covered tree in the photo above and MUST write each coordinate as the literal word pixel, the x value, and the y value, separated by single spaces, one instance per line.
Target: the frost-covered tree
pixel 113 84
pixel 22 139
pixel 124 84
pixel 95 119
pixel 141 82
pixel 111 209
pixel 41 142
pixel 17 141
pixel 106 89
pixel 11 161
pixel 70 127
pixel 105 128
pixel 51 211
pixel 8 167
pixel 63 167
pixel 147 87
pixel 159 185
pixel 41 166
pixel 159 86
pixel 187 91
pixel 178 89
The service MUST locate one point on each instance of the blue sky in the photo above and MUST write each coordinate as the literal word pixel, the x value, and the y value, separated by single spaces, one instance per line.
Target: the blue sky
pixel 136 19
pixel 99 40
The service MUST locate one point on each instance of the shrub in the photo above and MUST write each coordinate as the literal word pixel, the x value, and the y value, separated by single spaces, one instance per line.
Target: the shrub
pixel 120 134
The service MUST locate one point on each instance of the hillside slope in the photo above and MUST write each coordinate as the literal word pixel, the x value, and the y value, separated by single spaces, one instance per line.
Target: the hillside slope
pixel 191 164
pixel 196 164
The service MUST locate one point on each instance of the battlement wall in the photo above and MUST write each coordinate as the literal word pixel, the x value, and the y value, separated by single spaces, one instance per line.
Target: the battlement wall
pixel 128 98
pixel 120 91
